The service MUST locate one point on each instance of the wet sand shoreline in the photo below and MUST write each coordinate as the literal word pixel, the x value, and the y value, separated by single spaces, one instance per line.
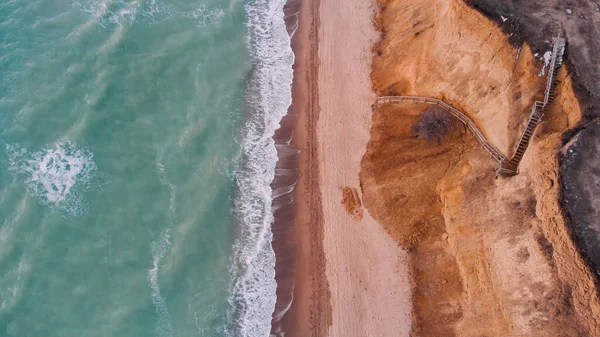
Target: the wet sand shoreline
pixel 298 231
pixel 310 313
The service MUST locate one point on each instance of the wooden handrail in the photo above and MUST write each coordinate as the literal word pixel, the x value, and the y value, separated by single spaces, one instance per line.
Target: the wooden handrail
pixel 506 167
pixel 454 112
pixel 539 107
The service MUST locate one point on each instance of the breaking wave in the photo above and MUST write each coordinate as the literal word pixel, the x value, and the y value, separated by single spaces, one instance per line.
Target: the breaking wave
pixel 268 97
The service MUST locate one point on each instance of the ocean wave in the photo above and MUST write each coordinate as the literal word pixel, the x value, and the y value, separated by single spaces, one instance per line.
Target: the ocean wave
pixel 268 97
pixel 58 175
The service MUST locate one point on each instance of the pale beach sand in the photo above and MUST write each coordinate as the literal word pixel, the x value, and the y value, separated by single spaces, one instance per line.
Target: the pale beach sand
pixel 366 270
pixel 351 278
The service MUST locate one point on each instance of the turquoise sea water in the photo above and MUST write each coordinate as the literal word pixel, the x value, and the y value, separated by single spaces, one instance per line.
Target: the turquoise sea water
pixel 135 163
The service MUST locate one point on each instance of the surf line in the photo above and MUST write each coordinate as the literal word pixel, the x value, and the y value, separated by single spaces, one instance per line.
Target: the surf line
pixel 254 289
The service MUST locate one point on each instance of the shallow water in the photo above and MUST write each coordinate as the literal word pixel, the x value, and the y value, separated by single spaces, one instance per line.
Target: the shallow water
pixel 136 158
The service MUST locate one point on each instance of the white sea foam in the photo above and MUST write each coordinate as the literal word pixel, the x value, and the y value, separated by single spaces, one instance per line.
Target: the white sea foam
pixel 57 175
pixel 205 15
pixel 111 13
pixel 253 294
pixel 159 249
pixel 154 11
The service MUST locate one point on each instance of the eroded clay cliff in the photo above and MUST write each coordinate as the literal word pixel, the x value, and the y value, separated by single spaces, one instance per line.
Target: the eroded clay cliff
pixel 489 256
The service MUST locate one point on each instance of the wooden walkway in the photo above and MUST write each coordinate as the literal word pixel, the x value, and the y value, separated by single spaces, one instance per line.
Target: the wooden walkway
pixel 506 167
pixel 496 154
pixel 538 110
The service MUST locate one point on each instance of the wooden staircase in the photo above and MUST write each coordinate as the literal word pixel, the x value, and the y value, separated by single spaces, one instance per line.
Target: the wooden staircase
pixel 510 167
pixel 507 167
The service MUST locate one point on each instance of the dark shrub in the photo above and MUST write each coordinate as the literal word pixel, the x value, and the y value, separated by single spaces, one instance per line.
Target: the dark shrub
pixel 434 123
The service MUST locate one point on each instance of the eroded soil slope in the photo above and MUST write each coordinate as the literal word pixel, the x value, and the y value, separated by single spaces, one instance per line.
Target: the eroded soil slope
pixel 579 21
pixel 489 257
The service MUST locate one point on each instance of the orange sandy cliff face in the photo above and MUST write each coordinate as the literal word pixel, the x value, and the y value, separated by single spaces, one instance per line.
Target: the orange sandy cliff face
pixel 489 257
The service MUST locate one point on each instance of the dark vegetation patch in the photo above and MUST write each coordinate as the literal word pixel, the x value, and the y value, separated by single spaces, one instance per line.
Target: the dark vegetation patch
pixel 545 246
pixel 434 123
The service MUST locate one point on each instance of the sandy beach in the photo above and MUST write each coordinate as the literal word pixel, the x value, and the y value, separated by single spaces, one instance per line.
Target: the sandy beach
pixel 486 256
pixel 366 269
pixel 352 278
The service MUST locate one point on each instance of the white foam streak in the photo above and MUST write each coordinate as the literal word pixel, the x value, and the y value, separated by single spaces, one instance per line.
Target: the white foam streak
pixel 159 249
pixel 113 13
pixel 253 293
pixel 12 295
